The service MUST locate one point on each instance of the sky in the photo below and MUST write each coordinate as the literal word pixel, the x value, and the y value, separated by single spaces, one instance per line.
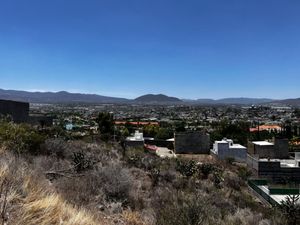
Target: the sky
pixel 189 49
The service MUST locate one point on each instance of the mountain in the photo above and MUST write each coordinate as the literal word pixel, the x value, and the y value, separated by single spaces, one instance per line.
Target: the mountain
pixel 66 97
pixel 150 98
pixel 234 101
pixel 292 102
pixel 244 101
pixel 57 97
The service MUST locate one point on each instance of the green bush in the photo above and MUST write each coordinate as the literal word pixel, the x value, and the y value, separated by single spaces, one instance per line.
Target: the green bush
pixel 244 173
pixel 186 168
pixel 20 138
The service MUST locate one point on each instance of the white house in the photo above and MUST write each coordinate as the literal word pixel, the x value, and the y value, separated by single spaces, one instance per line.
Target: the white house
pixel 137 140
pixel 227 149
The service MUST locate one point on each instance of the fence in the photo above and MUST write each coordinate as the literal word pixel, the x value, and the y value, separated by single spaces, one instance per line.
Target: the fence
pixel 254 185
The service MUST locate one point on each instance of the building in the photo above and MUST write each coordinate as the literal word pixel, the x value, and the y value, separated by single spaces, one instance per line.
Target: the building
pixel 194 142
pixel 264 149
pixel 227 149
pixel 277 170
pixel 41 120
pixel 269 128
pixel 18 111
pixel 138 123
pixel 137 140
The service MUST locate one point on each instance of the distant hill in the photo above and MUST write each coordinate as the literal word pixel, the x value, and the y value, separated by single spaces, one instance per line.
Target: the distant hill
pixel 292 102
pixel 57 97
pixel 69 98
pixel 150 98
pixel 237 101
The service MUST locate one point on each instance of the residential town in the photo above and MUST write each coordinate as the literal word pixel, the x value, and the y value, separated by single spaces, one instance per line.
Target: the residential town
pixel 263 140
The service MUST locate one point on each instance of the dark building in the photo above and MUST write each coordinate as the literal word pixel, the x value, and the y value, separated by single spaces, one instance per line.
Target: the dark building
pixel 41 120
pixel 195 142
pixel 264 149
pixel 277 170
pixel 18 111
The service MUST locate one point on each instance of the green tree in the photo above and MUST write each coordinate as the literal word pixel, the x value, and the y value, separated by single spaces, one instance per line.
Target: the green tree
pixel 150 130
pixel 179 126
pixel 20 138
pixel 105 123
pixel 291 209
pixel 164 133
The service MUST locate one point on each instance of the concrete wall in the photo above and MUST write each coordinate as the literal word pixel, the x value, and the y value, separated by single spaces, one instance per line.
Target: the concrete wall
pixel 279 150
pixel 19 111
pixel 252 162
pixel 192 142
pixel 273 171
pixel 239 155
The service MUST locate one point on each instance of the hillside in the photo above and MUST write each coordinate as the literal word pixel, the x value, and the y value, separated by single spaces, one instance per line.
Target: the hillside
pixel 54 181
pixel 160 98
pixel 56 97
pixel 292 102
pixel 69 98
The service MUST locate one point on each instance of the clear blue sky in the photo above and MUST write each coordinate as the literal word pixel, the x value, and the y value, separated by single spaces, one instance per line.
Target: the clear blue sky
pixel 189 49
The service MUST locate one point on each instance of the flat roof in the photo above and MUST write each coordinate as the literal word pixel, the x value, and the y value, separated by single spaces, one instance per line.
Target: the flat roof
pixel 262 143
pixel 237 146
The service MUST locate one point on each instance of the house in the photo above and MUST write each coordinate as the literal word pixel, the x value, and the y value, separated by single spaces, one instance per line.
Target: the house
pixel 137 140
pixel 277 170
pixel 265 149
pixel 18 111
pixel 195 142
pixel 227 149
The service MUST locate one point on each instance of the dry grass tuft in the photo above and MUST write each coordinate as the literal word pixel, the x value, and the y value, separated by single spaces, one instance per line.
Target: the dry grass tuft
pixel 31 201
pixel 133 218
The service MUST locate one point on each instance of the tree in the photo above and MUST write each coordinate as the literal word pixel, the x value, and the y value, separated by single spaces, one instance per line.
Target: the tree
pixel 291 209
pixel 179 126
pixel 164 133
pixel 150 130
pixel 105 123
pixel 238 131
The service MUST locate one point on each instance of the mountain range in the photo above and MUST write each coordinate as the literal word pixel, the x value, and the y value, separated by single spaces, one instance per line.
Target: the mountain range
pixel 66 97
pixel 57 97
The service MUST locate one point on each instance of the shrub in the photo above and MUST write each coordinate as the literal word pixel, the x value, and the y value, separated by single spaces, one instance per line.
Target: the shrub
pixel 116 181
pixel 230 160
pixel 186 168
pixel 56 147
pixel 20 138
pixel 245 217
pixel 233 181
pixel 182 209
pixel 244 173
pixel 81 162
pixel 207 169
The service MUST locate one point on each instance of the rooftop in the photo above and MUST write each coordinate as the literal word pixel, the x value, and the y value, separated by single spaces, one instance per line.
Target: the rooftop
pixel 262 143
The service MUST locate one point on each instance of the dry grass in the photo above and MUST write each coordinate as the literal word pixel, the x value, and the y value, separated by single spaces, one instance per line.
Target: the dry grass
pixel 133 218
pixel 198 158
pixel 31 201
